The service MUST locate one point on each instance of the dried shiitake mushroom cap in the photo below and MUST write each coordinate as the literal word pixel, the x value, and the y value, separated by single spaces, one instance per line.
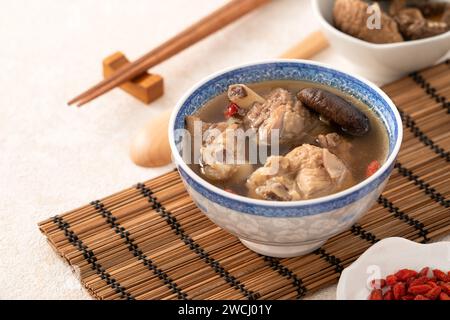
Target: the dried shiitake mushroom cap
pixel 395 6
pixel 413 24
pixel 432 9
pixel 446 16
pixel 351 17
pixel 334 108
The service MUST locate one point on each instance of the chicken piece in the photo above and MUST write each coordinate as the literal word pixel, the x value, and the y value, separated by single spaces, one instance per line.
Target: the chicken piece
pixel 273 181
pixel 218 163
pixel 191 122
pixel 304 173
pixel 279 112
pixel 279 188
pixel 319 172
pixel 335 168
pixel 261 111
pixel 243 96
pixel 337 145
pixel 314 182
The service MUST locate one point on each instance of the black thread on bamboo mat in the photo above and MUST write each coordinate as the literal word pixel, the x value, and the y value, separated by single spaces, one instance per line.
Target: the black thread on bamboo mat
pixel 193 246
pixel 358 230
pixel 430 90
pixel 333 260
pixel 137 252
pixel 419 226
pixel 90 258
pixel 411 125
pixel 431 192
pixel 276 265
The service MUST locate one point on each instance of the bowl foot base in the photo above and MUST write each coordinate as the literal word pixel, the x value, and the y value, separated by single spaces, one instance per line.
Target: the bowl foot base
pixel 282 251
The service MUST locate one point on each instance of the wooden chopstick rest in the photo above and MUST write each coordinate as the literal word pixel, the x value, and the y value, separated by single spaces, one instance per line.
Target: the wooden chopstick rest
pixel 146 87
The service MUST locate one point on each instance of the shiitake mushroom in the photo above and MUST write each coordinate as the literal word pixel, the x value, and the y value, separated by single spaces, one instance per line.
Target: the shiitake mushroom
pixel 402 20
pixel 351 16
pixel 413 24
pixel 332 107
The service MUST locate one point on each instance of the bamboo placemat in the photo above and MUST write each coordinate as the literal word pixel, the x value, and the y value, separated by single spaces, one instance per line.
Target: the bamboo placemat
pixel 151 242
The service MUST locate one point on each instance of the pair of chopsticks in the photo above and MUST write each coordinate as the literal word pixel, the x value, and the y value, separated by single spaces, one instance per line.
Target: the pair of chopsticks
pixel 196 32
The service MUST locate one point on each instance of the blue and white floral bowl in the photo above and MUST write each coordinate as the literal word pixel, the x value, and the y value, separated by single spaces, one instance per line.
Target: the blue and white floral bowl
pixel 286 229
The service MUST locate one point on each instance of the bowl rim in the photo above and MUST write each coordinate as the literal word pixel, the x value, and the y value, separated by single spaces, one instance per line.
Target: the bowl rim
pixel 283 204
pixel 325 24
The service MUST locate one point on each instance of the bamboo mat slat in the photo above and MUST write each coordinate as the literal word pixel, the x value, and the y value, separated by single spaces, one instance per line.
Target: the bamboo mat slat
pixel 151 242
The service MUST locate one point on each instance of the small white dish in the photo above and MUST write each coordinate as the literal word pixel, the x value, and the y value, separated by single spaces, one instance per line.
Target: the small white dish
pixel 381 62
pixel 387 257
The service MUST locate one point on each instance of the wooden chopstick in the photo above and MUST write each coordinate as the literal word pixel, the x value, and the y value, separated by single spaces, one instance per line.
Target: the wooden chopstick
pixel 196 32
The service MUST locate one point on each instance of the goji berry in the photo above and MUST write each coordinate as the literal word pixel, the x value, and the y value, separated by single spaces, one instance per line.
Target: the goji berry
pixel 445 287
pixel 407 284
pixel 419 289
pixel 444 296
pixel 405 274
pixel 232 109
pixel 388 295
pixel 440 275
pixel 376 294
pixel 391 280
pixel 418 281
pixel 399 290
pixel 434 293
pixel 378 284
pixel 372 168
pixel 424 272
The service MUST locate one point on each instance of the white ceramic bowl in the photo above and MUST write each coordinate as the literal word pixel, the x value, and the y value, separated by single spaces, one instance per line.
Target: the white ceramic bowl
pixel 384 62
pixel 387 257
pixel 285 229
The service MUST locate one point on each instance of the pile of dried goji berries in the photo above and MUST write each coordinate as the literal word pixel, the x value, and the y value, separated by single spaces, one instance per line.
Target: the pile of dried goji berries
pixel 408 284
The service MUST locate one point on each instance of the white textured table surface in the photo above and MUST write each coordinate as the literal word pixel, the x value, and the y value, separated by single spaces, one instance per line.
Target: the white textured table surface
pixel 54 158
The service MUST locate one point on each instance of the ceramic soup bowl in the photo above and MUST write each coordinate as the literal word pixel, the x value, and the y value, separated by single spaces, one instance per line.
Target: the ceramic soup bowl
pixel 285 229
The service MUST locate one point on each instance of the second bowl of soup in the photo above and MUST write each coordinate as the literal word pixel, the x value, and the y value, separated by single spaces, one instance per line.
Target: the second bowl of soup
pixel 284 154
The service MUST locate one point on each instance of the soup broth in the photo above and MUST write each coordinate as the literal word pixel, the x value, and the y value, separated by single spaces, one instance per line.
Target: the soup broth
pixel 338 153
